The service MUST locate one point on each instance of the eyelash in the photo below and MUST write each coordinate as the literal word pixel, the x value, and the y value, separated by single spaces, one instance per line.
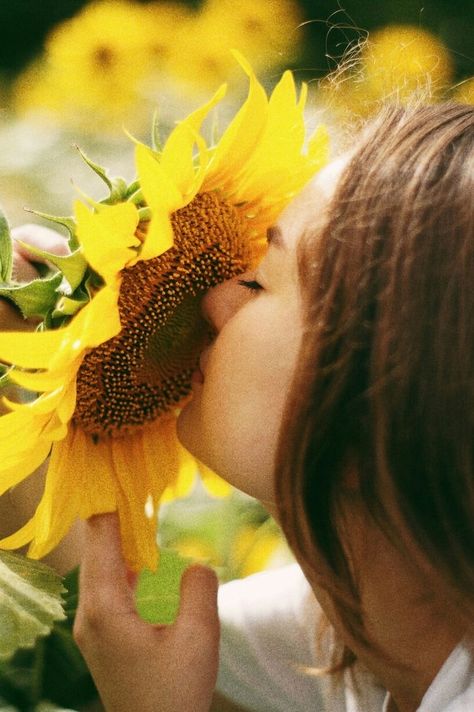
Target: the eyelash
pixel 251 284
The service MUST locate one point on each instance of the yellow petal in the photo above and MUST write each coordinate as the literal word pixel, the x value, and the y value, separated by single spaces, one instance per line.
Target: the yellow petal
pixel 21 537
pixel 163 197
pixel 78 483
pixel 241 136
pixel 134 490
pixel 214 484
pixel 39 382
pixel 44 404
pixel 177 157
pixel 14 422
pixel 265 171
pixel 107 236
pixel 31 350
pixel 29 462
pixel 98 321
pixel 55 430
pixel 67 405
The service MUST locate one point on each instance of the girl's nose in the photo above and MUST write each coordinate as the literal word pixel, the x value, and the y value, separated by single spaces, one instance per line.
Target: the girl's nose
pixel 220 303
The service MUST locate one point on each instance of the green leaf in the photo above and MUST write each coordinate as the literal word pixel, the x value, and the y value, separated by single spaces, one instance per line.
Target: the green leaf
pixel 157 593
pixel 30 602
pixel 35 298
pixel 67 222
pixel 72 266
pixel 6 250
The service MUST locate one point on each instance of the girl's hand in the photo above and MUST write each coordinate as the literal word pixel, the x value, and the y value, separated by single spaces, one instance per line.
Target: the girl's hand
pixel 42 237
pixel 137 666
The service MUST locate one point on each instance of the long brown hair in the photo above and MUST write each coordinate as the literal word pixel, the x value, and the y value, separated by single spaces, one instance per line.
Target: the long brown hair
pixel 385 383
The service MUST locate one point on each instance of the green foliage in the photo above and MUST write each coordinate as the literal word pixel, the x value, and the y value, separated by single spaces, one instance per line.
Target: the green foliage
pixel 158 593
pixel 54 670
pixel 73 266
pixel 6 250
pixel 30 602
pixel 35 298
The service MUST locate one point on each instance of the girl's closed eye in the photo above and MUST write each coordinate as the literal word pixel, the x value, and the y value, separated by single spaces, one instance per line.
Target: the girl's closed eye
pixel 251 284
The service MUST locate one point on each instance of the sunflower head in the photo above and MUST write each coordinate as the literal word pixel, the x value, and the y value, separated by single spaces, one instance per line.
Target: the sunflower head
pixel 145 371
pixel 121 327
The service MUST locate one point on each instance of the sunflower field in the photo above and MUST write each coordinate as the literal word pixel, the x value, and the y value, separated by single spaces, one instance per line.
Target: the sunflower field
pixel 126 124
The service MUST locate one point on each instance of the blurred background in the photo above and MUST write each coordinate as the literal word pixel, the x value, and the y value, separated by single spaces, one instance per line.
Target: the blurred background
pixel 73 71
pixel 78 72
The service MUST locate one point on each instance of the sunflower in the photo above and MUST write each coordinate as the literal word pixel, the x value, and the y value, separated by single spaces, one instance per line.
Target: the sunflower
pixel 111 363
pixel 401 60
pixel 269 34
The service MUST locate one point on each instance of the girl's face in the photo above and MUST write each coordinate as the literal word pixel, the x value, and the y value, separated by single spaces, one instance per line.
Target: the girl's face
pixel 232 422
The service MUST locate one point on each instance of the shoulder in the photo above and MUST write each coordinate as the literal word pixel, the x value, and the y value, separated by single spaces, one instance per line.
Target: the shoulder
pixel 452 690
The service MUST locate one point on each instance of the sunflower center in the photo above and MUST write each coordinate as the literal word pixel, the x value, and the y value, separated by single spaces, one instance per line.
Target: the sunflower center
pixel 146 370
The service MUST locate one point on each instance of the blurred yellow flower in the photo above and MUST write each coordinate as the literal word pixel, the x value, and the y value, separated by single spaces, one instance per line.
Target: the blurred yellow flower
pixel 397 63
pixel 464 91
pixel 198 548
pixel 114 53
pixel 400 60
pixel 256 548
pixel 267 33
pixel 95 63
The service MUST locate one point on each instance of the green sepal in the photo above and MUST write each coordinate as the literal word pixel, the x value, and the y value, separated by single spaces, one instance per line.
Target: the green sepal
pixel 36 298
pixel 67 222
pixel 156 142
pixel 144 214
pixel 5 376
pixel 137 197
pixel 118 187
pixel 67 307
pixel 132 189
pixel 6 250
pixel 30 602
pixel 72 266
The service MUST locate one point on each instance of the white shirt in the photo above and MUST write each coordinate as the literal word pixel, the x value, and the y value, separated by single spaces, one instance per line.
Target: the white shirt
pixel 269 627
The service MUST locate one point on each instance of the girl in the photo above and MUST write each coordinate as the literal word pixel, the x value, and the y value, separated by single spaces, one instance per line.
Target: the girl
pixel 339 390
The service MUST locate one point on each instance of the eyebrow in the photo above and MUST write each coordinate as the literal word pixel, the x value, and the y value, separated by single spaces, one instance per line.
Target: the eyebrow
pixel 275 237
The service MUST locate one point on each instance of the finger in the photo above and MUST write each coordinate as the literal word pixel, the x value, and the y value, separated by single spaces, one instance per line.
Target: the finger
pixel 103 575
pixel 23 270
pixel 198 603
pixel 12 320
pixel 41 237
